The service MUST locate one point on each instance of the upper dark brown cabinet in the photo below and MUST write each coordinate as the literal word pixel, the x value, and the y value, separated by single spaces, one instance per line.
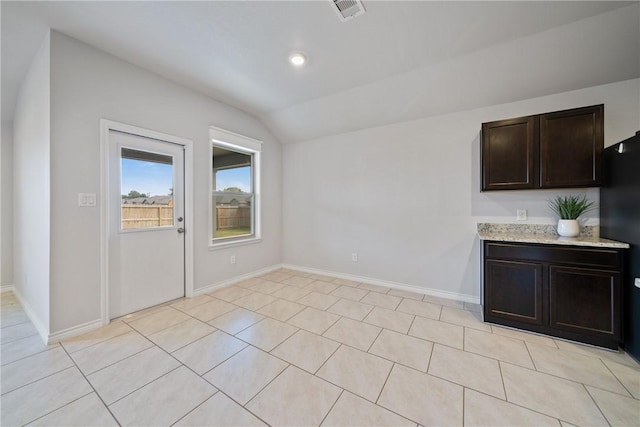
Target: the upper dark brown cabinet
pixel 508 150
pixel 571 144
pixel 562 149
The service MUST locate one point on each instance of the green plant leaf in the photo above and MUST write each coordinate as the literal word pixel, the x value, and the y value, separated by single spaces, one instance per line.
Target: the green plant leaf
pixel 571 207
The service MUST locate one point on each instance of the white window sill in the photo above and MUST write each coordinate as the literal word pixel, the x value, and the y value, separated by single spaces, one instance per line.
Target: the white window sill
pixel 233 243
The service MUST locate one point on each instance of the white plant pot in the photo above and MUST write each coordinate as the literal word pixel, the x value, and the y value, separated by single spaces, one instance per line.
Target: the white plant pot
pixel 568 227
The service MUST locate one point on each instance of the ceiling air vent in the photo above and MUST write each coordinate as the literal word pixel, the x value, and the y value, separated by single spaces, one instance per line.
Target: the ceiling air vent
pixel 347 9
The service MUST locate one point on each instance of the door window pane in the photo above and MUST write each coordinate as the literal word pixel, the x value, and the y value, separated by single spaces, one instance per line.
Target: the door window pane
pixel 147 189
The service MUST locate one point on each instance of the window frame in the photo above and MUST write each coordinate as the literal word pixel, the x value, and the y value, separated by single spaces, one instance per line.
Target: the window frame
pixel 245 145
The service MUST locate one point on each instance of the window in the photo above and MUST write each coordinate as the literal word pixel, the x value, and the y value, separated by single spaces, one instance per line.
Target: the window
pixel 153 174
pixel 235 202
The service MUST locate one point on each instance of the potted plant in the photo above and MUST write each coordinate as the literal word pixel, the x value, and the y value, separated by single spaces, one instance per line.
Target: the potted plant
pixel 569 208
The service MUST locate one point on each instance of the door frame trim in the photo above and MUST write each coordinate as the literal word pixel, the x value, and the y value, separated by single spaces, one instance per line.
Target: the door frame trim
pixel 187 144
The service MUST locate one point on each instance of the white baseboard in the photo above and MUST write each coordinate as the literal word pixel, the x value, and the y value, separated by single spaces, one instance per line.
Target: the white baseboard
pixel 8 288
pixel 42 330
pixel 74 331
pixel 389 284
pixel 95 324
pixel 50 338
pixel 394 285
pixel 229 282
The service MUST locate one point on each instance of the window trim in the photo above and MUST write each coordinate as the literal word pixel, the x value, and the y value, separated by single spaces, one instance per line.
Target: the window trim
pixel 233 141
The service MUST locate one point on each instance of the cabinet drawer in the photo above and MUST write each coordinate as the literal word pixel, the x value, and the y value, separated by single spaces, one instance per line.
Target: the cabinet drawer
pixel 592 257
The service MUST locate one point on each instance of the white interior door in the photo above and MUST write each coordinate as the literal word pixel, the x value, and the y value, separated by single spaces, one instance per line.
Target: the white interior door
pixel 146 222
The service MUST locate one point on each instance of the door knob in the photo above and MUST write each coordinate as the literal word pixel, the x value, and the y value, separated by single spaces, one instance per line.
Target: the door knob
pixel 180 219
pixel 180 230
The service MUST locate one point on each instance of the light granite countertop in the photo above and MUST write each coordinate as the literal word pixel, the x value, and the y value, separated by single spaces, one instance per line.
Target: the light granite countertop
pixel 542 235
pixel 552 240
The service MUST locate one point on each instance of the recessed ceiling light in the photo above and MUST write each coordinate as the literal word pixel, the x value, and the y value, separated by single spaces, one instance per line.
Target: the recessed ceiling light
pixel 298 59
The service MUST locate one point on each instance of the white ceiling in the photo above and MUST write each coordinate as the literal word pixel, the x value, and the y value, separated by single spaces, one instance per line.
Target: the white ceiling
pixel 399 61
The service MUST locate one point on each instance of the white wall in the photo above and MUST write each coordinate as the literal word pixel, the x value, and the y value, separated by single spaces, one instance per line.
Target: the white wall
pixel 406 197
pixel 87 85
pixel 6 205
pixel 31 169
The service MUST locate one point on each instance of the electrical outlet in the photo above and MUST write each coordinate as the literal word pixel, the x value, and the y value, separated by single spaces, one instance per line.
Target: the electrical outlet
pixel 232 259
pixel 637 282
pixel 86 199
pixel 521 214
pixel 354 257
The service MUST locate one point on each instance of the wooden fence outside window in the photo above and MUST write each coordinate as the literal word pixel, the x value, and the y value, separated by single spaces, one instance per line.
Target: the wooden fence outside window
pixel 147 216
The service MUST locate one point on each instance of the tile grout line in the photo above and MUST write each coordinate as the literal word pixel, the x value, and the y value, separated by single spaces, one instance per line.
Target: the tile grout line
pixel 191 342
pixel 242 330
pixel 535 368
pixel 560 378
pixel 33 354
pixel 362 397
pixel 35 381
pixel 196 407
pixel 596 403
pixel 332 406
pixel 143 386
pixel 464 395
pixel 64 406
pixel 461 385
pixel 180 362
pixel 214 367
pixel 359 349
pixel 164 329
pixel 230 398
pixel 325 362
pixel 269 383
pixel 183 310
pixel 464 337
pixel 99 342
pixel 504 387
pixel 574 380
pixel 433 346
pixel 618 379
pixel 92 387
pixel 374 340
pixel 119 360
pixel 385 383
pixel 509 402
pixel 384 407
pixel 26 357
pixel 20 338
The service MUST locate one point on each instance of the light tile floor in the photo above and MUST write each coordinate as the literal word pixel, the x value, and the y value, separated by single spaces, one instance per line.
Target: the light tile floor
pixel 290 348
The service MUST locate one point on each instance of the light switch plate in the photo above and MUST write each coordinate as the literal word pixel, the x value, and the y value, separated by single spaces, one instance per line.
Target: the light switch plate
pixel 521 214
pixel 86 199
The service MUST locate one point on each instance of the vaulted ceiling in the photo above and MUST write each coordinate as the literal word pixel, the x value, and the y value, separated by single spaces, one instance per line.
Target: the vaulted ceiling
pixel 399 61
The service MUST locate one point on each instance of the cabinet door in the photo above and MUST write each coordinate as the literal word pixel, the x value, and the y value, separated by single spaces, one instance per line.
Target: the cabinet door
pixel 571 144
pixel 508 154
pixel 513 291
pixel 585 301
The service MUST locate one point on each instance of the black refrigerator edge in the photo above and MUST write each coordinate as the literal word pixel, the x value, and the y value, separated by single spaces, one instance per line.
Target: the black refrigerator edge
pixel 620 220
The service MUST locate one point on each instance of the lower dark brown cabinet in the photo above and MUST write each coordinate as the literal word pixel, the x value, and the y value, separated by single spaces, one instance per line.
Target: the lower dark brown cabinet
pixel 584 300
pixel 565 291
pixel 514 290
